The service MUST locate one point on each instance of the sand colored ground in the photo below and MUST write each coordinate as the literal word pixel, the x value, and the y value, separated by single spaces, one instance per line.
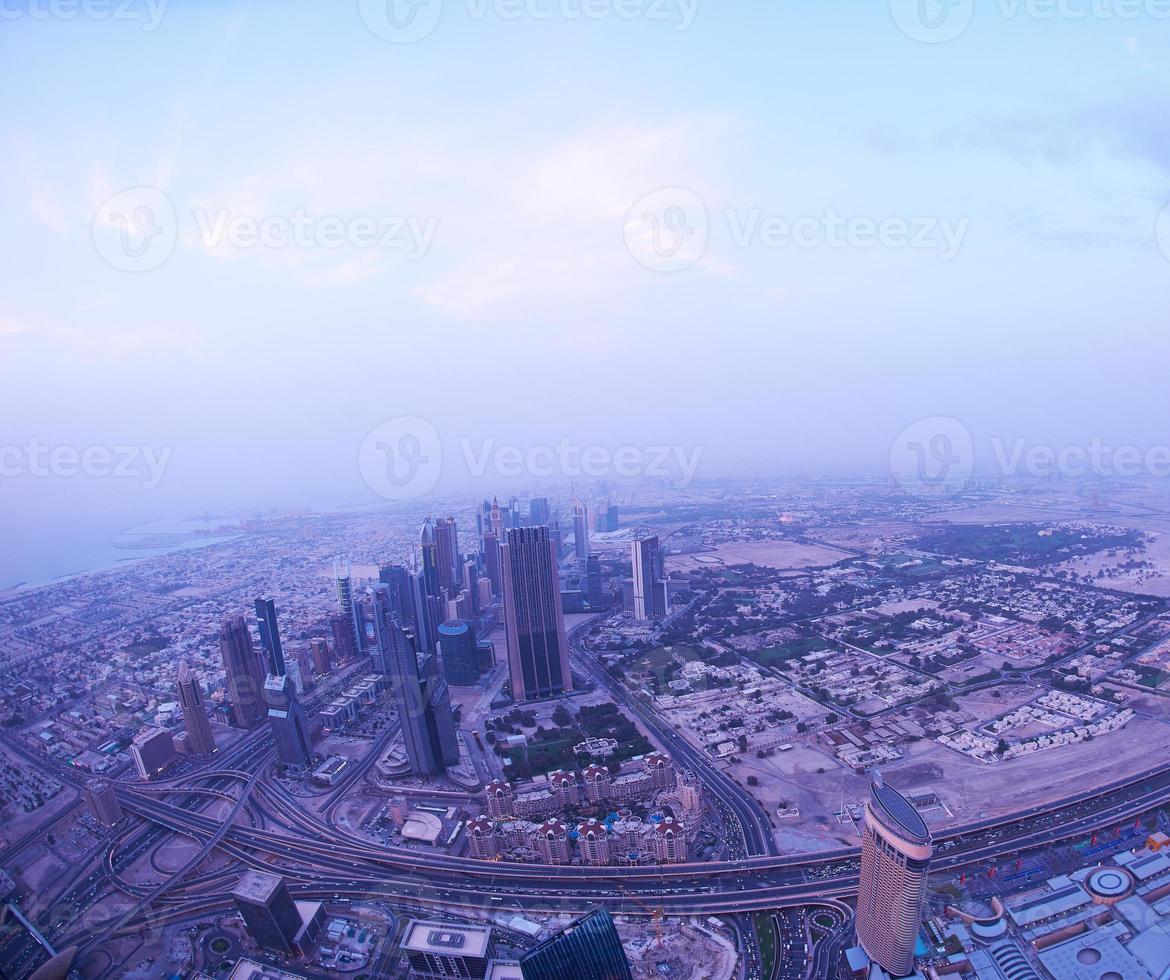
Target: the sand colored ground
pixel 781 555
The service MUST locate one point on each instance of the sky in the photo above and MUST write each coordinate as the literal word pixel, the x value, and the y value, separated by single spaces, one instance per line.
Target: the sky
pixel 263 254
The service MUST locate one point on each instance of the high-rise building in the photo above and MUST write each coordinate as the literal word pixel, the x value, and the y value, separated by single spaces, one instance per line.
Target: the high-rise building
pixel 538 652
pixel 491 560
pixel 341 626
pixel 587 949
pixel 397 579
pixel 349 610
pixel 199 738
pixel 290 729
pixel 103 801
pixel 420 694
pixel 152 751
pixel 447 551
pixel 481 834
pixel 319 650
pixel 896 850
pixel 425 621
pixel 649 582
pixel 269 912
pixel 243 673
pixel 594 588
pixel 580 531
pixel 552 842
pixel 593 840
pixel 538 511
pixel 460 650
pixel 428 549
pixel 496 520
pixel 444 951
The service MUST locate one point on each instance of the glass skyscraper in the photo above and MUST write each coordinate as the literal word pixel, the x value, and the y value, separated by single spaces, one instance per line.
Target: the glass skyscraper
pixel 588 949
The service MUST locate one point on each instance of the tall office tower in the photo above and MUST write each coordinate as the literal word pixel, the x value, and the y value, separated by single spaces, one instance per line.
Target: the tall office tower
pixel 607 517
pixel 460 650
pixel 429 555
pixel 425 625
pixel 649 584
pixel 348 608
pixel 419 693
pixel 243 673
pixel 270 636
pixel 320 653
pixel 103 801
pixel 268 910
pixel 341 626
pixel 152 750
pixel 588 949
pixel 397 577
pixel 581 531
pixel 538 653
pixel 594 590
pixel 483 589
pixel 538 510
pixel 447 548
pixel 290 730
pixel 514 518
pixel 491 560
pixel 468 576
pixel 199 738
pixel 558 542
pixel 895 860
pixel 441 950
pixel 497 520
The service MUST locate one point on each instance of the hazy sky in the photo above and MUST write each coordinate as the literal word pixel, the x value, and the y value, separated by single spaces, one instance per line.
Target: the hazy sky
pixel 489 181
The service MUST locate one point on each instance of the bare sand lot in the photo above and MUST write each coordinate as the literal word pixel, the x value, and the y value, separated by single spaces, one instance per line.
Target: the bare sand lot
pixel 781 555
pixel 1141 581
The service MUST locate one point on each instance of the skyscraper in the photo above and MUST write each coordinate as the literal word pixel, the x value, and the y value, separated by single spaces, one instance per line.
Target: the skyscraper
pixel 447 554
pixel 420 694
pixel 321 660
pixel 594 589
pixel 268 910
pixel 290 730
pixel 429 555
pixel 538 653
pixel 341 626
pixel 461 662
pixel 580 531
pixel 243 673
pixel 199 737
pixel 895 860
pixel 650 597
pixel 103 801
pixel 588 949
pixel 538 510
pixel 348 607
